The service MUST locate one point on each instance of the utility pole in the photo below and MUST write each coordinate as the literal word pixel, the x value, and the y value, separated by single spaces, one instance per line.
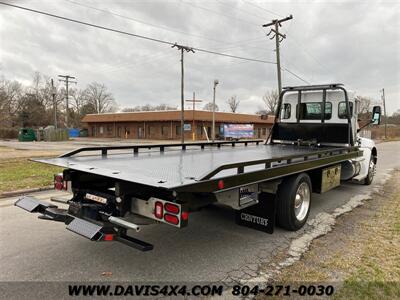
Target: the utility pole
pixel 182 49
pixel 213 112
pixel 67 80
pixel 384 110
pixel 194 101
pixel 279 37
pixel 53 93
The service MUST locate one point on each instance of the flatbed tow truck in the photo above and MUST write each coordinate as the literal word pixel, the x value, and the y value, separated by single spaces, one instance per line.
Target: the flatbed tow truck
pixel 313 146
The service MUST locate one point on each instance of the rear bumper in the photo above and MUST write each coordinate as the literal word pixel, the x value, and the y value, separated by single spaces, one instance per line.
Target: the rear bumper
pixel 89 229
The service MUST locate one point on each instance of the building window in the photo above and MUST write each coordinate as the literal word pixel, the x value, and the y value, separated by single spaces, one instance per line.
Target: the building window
pixel 109 128
pixel 178 130
pixel 151 130
pixel 164 130
pixel 264 131
pixel 199 131
pixel 101 130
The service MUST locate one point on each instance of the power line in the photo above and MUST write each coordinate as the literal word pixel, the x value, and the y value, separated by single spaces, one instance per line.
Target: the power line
pixel 239 9
pixel 218 13
pixel 295 75
pixel 262 8
pixel 132 34
pixel 145 37
pixel 157 26
pixel 143 22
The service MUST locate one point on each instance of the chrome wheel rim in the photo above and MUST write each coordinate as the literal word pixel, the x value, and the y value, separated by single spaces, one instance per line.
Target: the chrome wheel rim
pixel 302 201
pixel 371 171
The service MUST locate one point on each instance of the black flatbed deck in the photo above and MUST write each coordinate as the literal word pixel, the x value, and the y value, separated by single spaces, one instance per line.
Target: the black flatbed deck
pixel 174 168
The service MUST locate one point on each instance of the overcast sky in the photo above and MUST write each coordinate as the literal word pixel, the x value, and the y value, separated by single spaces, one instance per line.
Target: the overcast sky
pixel 353 42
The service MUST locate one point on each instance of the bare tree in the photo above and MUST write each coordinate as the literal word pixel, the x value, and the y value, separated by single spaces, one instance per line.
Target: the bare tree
pixel 97 96
pixel 209 107
pixel 148 107
pixel 365 104
pixel 10 101
pixel 270 100
pixel 233 103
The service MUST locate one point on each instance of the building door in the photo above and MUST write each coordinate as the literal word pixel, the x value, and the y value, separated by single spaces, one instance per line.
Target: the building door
pixel 119 132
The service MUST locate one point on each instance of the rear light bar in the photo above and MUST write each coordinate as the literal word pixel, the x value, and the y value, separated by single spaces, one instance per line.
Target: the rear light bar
pixel 158 210
pixel 167 212
pixel 171 219
pixel 59 183
pixel 172 208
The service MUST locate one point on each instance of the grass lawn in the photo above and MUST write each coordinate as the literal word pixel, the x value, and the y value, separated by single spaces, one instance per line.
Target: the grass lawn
pixel 19 174
pixel 361 255
pixel 377 276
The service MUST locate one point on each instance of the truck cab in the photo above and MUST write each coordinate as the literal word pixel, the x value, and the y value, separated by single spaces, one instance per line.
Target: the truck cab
pixel 326 115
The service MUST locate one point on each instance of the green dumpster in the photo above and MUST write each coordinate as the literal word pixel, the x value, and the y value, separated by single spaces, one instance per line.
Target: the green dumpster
pixel 26 135
pixel 83 133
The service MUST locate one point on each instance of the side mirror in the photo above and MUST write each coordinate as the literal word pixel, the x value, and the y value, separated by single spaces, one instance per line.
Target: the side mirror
pixel 376 115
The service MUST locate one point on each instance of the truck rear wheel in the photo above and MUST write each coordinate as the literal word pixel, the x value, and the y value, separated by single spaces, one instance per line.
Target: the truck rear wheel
pixel 294 201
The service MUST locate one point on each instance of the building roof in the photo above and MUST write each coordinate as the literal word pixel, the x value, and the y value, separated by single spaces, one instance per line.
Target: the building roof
pixel 175 115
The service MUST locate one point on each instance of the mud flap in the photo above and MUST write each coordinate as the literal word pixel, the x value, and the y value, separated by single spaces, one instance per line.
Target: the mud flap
pixel 260 216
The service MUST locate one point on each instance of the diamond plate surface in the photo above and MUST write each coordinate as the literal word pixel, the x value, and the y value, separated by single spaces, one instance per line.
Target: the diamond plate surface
pixel 30 204
pixel 84 228
pixel 174 167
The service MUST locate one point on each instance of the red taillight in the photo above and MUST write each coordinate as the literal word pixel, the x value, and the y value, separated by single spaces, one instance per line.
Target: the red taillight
pixel 171 219
pixel 184 215
pixel 171 208
pixel 58 182
pixel 158 210
pixel 108 237
pixel 220 184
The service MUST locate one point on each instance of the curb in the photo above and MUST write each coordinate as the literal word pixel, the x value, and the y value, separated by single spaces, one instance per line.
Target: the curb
pixel 22 192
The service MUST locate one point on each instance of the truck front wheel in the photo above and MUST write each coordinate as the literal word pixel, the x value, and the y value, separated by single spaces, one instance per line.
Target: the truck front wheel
pixel 294 201
pixel 371 171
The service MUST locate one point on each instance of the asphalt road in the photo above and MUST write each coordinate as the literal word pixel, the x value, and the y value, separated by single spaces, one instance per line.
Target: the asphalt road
pixel 210 249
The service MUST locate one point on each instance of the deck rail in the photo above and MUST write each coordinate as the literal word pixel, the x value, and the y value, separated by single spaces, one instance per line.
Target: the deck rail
pixel 283 159
pixel 104 150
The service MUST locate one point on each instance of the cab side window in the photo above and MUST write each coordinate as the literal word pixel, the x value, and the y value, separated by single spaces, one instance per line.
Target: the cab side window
pixel 286 109
pixel 342 110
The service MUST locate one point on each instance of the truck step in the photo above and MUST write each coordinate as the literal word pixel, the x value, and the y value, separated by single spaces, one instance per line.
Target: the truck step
pixel 86 229
pixel 32 205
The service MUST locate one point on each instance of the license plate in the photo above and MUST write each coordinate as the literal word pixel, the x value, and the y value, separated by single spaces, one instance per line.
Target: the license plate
pixel 96 198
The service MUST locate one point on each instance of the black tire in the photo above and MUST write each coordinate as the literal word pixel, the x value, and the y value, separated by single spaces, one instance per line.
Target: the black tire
pixel 371 171
pixel 286 196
